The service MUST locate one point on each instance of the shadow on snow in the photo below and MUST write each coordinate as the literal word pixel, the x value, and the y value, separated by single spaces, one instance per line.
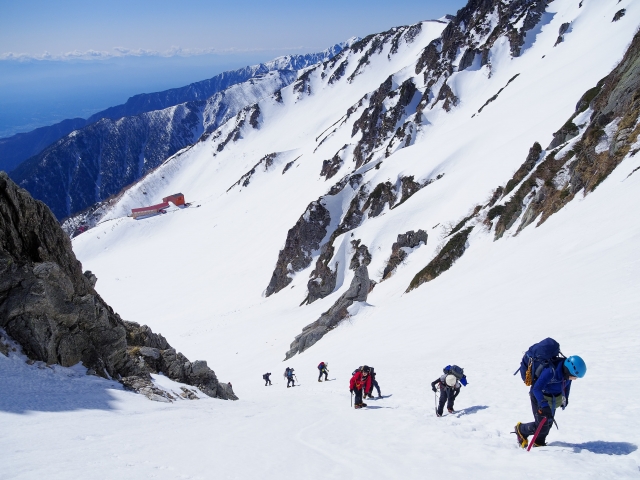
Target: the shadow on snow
pixel 599 447
pixel 471 410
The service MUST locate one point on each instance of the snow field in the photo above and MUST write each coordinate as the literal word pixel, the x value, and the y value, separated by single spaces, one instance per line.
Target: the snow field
pixel 203 271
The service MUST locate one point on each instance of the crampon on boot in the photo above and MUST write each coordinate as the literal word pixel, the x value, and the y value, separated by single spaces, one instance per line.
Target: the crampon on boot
pixel 522 440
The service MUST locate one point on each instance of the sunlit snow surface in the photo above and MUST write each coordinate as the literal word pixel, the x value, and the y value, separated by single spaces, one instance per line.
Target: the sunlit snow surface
pixel 203 271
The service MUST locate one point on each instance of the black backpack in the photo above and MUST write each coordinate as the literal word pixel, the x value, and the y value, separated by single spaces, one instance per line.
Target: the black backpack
pixel 539 356
pixel 454 370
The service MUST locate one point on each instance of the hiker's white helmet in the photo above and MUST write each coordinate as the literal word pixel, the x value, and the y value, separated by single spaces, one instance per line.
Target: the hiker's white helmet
pixel 450 380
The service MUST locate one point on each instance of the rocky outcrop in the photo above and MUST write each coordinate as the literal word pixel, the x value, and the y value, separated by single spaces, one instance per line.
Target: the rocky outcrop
pixel 266 162
pixel 380 119
pixel 473 32
pixel 332 166
pixel 382 195
pixel 357 292
pixel 452 251
pixel 401 248
pixel 564 28
pixel 50 308
pixel 597 149
pixel 619 14
pixel 302 241
pixel 532 159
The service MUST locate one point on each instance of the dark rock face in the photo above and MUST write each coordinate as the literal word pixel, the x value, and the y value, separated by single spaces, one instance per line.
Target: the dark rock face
pixel 382 195
pixel 467 59
pixel 555 182
pixel 452 251
pixel 302 240
pixel 474 30
pixel 51 309
pixel 525 168
pixel 564 28
pixel 322 280
pixel 406 241
pixel 357 292
pixel 266 162
pixel 331 167
pixel 377 123
pixel 448 98
pixel 361 256
pixel 619 14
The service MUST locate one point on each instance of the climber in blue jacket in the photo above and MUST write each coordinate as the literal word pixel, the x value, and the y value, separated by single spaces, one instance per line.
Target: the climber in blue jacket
pixel 550 392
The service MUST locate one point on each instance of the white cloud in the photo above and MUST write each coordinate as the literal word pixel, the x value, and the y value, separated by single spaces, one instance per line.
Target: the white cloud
pixel 119 52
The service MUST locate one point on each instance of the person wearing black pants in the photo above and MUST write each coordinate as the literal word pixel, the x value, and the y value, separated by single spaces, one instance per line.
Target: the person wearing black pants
pixel 266 379
pixel 449 390
pixel 374 384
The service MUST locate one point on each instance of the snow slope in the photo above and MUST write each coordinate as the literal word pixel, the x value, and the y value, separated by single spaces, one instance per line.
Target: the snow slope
pixel 204 270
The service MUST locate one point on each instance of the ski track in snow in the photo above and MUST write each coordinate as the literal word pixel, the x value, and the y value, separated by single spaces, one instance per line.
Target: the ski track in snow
pixel 203 270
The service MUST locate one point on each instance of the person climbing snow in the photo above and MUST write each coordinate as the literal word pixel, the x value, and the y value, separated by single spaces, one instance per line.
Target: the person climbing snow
pixel 549 391
pixel 449 384
pixel 289 375
pixel 360 382
pixel 323 370
pixel 374 384
pixel 266 379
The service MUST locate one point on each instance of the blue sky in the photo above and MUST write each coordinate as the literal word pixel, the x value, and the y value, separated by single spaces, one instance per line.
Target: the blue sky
pixel 72 58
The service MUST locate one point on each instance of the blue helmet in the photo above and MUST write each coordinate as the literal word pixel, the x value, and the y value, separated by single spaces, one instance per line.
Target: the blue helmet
pixel 576 366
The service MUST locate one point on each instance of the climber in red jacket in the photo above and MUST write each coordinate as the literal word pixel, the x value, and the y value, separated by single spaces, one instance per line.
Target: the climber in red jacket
pixel 361 381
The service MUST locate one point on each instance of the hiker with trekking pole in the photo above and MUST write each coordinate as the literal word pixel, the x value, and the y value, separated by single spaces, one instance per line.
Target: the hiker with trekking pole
pixel 360 382
pixel 449 384
pixel 549 374
pixel 290 376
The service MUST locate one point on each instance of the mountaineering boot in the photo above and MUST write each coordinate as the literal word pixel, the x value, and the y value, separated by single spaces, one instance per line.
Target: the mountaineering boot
pixel 539 444
pixel 451 410
pixel 319 380
pixel 358 405
pixel 522 439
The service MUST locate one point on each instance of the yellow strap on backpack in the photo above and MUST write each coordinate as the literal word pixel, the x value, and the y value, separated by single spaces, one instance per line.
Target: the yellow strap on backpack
pixel 528 379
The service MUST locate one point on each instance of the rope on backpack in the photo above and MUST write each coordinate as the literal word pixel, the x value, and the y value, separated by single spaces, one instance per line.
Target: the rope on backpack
pixel 528 379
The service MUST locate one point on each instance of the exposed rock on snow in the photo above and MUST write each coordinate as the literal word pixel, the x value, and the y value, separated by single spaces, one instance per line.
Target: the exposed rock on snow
pixel 564 28
pixel 525 168
pixel 266 162
pixel 357 292
pixel 619 14
pixel 302 240
pixel 382 195
pixel 330 167
pixel 51 309
pixel 443 261
pixel 616 108
pixel 401 248
pixel 381 118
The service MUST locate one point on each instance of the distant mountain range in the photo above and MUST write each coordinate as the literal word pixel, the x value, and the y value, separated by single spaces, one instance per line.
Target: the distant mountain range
pixel 77 163
pixel 17 148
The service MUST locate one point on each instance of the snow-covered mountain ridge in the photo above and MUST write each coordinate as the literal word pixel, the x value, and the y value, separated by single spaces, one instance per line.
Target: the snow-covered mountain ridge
pixel 17 148
pixel 393 164
pixel 120 145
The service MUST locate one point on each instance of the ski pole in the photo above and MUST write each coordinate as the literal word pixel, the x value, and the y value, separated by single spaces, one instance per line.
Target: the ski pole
pixel 351 403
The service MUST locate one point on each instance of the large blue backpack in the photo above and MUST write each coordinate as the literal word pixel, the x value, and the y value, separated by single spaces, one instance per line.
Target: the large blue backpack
pixel 539 356
pixel 454 370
